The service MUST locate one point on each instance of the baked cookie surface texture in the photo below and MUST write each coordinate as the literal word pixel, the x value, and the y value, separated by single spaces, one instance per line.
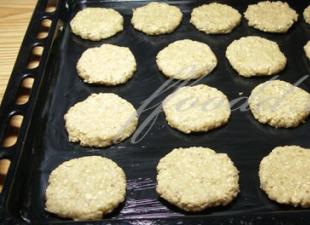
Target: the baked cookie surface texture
pixel 271 16
pixel 215 18
pixel 101 120
pixel 108 64
pixel 197 178
pixel 186 59
pixel 279 104
pixel 307 49
pixel 97 23
pixel 197 108
pixel 285 175
pixel 85 188
pixel 156 18
pixel 255 56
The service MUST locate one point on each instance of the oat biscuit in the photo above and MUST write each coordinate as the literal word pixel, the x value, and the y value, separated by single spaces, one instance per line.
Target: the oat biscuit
pixel 198 108
pixel 215 18
pixel 285 175
pixel 307 49
pixel 306 14
pixel 186 59
pixel 197 178
pixel 255 56
pixel 101 120
pixel 85 188
pixel 279 104
pixel 271 16
pixel 156 18
pixel 108 64
pixel 97 23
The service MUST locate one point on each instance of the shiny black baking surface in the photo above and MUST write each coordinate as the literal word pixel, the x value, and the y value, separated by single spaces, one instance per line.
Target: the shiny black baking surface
pixel 243 138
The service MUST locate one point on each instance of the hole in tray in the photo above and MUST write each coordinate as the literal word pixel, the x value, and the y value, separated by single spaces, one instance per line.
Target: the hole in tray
pixel 24 91
pixel 4 168
pixel 28 82
pixel 37 51
pixel 43 32
pixel 35 57
pixel 33 63
pixel 46 23
pixel 50 9
pixel 51 6
pixel 12 131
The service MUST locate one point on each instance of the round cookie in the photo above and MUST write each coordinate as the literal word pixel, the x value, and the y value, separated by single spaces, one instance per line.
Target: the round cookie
pixel 255 56
pixel 97 23
pixel 215 18
pixel 156 18
pixel 285 175
pixel 197 178
pixel 186 59
pixel 197 108
pixel 101 120
pixel 307 49
pixel 271 16
pixel 107 64
pixel 279 104
pixel 306 14
pixel 85 188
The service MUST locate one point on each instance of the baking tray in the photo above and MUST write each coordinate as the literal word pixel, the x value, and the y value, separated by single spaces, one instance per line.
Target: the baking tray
pixel 42 142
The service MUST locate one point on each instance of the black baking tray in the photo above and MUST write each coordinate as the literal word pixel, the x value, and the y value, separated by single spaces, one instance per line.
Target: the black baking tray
pixel 42 143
